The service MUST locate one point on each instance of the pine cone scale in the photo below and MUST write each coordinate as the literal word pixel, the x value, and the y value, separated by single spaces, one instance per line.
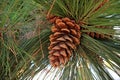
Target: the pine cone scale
pixel 68 38
pixel 63 53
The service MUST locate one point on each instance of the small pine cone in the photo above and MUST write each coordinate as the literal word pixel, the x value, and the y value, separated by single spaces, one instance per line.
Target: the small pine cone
pixel 98 58
pixel 98 35
pixel 66 36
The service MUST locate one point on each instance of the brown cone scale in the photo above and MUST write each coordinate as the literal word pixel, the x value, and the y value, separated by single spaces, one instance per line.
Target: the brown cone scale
pixel 64 39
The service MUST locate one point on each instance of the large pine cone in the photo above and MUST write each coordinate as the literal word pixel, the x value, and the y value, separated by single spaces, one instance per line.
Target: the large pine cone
pixel 66 36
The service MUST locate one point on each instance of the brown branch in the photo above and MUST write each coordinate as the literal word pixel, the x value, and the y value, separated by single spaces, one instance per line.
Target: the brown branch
pixel 51 7
pixel 101 5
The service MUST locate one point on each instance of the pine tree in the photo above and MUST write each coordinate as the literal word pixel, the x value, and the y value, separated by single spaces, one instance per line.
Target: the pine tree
pixel 76 39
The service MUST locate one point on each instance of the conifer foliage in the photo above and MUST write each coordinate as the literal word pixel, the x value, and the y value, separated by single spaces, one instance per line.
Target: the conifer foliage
pixel 65 39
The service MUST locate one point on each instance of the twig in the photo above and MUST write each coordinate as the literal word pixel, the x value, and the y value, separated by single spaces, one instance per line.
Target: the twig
pixel 51 7
pixel 101 5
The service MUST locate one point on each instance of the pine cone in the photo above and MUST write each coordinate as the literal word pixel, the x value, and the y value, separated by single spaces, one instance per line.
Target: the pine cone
pixel 98 58
pixel 66 36
pixel 97 35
